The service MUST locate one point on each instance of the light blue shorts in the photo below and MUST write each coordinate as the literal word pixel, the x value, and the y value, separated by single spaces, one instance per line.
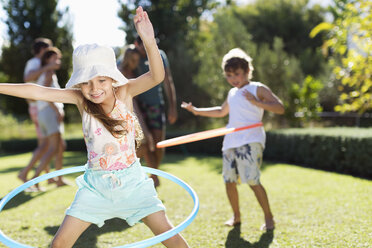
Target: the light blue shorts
pixel 127 194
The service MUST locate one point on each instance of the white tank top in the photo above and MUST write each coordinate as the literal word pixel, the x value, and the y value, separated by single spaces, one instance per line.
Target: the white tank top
pixel 242 113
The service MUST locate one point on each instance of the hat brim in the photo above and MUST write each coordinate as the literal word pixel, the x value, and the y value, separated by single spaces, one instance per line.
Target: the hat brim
pixel 87 73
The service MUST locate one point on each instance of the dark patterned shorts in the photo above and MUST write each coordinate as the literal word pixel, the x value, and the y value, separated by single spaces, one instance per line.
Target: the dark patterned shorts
pixel 154 115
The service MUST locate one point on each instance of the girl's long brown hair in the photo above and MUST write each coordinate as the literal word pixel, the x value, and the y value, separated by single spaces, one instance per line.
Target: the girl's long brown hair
pixel 116 127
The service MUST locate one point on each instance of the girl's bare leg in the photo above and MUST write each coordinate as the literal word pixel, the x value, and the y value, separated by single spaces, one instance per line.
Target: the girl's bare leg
pixel 53 141
pixel 38 153
pixel 159 223
pixel 69 231
pixel 59 161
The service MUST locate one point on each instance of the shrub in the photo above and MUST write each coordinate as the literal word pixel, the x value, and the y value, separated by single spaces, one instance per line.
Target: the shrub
pixel 344 150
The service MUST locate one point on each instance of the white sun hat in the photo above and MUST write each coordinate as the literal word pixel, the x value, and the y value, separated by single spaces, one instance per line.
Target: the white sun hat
pixel 94 60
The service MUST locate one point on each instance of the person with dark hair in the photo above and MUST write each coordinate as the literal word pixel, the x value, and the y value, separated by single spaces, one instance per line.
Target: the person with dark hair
pixel 242 151
pixel 33 68
pixel 50 117
pixel 152 106
pixel 50 120
pixel 128 66
pixel 32 72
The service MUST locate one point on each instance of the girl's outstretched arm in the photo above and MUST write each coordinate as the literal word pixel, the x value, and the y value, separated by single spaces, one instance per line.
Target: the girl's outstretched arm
pixel 219 111
pixel 156 73
pixel 37 92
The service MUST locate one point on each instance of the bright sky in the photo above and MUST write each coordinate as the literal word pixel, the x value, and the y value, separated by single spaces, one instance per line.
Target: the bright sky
pixel 96 21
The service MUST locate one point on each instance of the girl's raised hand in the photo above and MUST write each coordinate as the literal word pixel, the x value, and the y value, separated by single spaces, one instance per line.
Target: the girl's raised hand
pixel 143 25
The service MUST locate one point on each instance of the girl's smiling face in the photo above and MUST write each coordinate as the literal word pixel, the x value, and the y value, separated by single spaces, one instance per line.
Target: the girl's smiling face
pixel 98 89
pixel 237 78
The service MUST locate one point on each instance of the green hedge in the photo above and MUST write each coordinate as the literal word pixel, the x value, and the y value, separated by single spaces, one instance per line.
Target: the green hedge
pixel 344 150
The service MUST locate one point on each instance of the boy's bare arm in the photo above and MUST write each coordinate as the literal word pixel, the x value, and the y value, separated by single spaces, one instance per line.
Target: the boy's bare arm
pixel 267 100
pixel 218 111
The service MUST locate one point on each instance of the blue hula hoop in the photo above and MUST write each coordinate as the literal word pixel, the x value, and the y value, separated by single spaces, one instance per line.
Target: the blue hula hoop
pixel 140 244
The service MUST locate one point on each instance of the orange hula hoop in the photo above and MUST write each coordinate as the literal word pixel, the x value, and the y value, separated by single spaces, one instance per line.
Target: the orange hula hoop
pixel 203 135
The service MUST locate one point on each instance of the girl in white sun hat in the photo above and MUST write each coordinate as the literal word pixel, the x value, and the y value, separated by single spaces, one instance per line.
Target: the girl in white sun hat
pixel 114 184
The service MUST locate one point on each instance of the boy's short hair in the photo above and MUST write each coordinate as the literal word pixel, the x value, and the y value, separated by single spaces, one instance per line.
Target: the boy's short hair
pixel 48 53
pixel 39 44
pixel 236 58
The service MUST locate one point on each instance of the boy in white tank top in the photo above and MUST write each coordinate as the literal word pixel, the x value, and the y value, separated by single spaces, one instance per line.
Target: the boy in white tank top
pixel 242 151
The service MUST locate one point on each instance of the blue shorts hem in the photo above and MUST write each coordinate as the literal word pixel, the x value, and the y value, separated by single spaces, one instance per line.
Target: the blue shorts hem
pixel 86 218
pixel 137 219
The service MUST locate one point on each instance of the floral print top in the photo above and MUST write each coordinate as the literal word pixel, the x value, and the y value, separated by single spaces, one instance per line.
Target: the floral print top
pixel 106 152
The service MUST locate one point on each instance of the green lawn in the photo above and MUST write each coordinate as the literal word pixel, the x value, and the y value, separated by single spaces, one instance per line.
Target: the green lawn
pixel 26 130
pixel 312 208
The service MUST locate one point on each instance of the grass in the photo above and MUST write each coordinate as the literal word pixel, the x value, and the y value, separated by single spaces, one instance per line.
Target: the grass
pixel 26 130
pixel 312 208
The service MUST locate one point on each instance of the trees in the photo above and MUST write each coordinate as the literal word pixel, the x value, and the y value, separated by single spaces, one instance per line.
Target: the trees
pixel 214 40
pixel 291 21
pixel 176 23
pixel 274 66
pixel 172 20
pixel 275 33
pixel 349 39
pixel 27 20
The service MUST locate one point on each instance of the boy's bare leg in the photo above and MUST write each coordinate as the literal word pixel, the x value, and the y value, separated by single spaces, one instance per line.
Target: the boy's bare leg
pixel 158 135
pixel 232 194
pixel 262 199
pixel 156 156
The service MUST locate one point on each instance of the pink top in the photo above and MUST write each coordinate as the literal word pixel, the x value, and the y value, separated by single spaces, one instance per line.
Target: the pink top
pixel 106 152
